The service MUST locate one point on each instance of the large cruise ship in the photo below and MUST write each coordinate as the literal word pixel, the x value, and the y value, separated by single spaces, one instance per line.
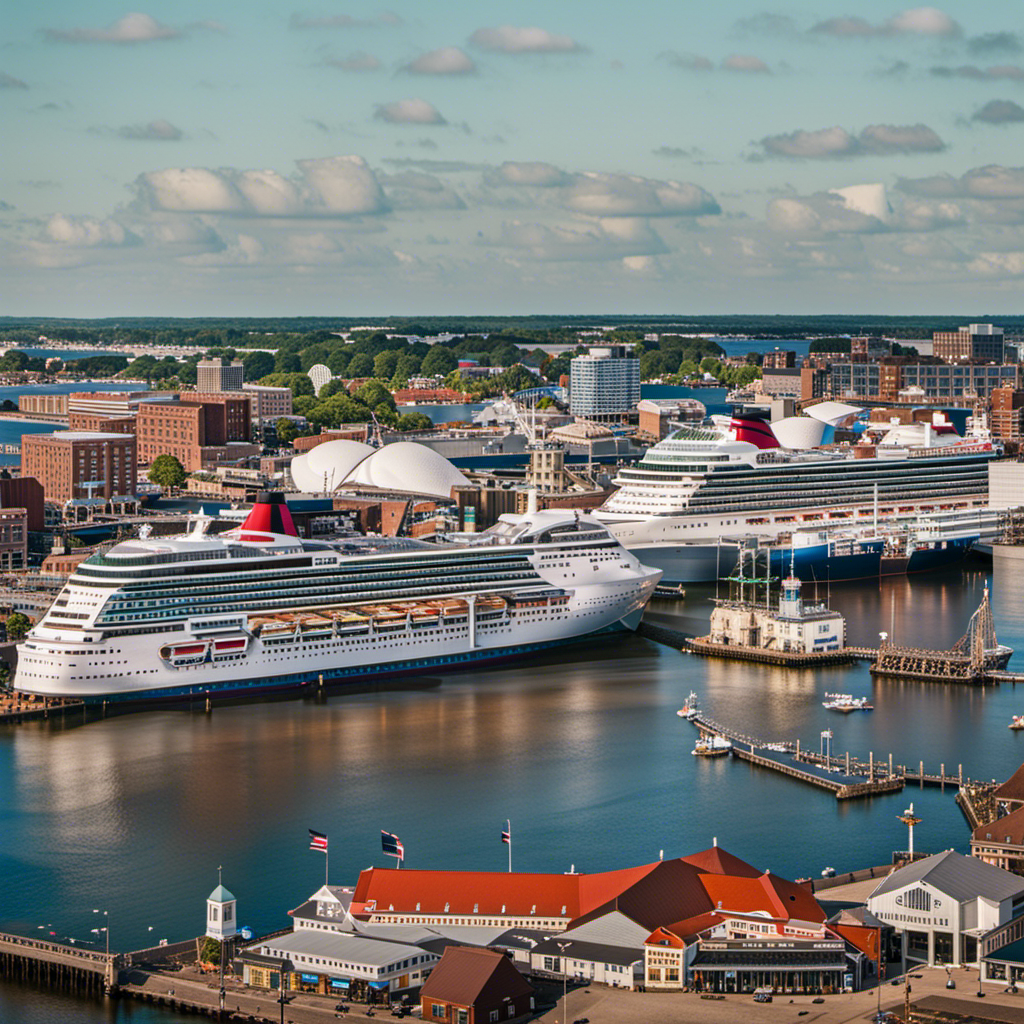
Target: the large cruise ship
pixel 702 485
pixel 257 609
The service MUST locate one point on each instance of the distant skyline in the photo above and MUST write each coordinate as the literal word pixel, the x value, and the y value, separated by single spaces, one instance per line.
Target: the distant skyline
pixel 352 158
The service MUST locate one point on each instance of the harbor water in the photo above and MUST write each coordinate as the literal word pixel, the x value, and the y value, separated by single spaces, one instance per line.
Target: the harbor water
pixel 582 750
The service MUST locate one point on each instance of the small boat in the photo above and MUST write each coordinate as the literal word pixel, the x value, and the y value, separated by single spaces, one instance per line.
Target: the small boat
pixel 712 746
pixel 846 703
pixel 1017 722
pixel 668 590
pixel 689 710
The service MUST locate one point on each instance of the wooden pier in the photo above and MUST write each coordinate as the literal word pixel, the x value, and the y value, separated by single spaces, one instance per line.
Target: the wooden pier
pixel 843 790
pixel 16 707
pixel 768 656
pixel 56 965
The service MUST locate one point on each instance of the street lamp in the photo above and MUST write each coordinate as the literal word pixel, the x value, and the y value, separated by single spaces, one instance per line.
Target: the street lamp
pixel 563 946
pixel 106 914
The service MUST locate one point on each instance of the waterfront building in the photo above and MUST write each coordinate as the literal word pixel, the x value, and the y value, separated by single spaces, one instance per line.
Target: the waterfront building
pixel 1009 797
pixel 13 538
pixel 941 906
pixel 1008 413
pixel 73 465
pixel 215 375
pixel 24 492
pixel 605 383
pixel 475 986
pixel 1001 842
pixel 782 382
pixel 43 405
pixel 197 429
pixel 975 341
pixel 660 416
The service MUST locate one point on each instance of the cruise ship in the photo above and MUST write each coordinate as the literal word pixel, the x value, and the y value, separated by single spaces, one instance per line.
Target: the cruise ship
pixel 701 485
pixel 257 609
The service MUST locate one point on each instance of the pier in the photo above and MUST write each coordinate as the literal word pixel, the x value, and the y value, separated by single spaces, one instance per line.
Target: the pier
pixel 768 655
pixel 844 775
pixel 56 965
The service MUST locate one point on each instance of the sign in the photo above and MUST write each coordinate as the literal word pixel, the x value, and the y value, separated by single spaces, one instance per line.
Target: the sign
pixel 311 979
pixel 339 983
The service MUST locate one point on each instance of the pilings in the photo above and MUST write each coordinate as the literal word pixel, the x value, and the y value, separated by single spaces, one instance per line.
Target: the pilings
pixel 55 965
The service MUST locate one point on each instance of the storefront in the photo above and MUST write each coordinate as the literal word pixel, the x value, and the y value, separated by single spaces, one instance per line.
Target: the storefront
pixel 726 968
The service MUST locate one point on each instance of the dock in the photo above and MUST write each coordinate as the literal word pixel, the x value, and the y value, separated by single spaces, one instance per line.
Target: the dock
pixel 17 707
pixel 844 775
pixel 705 646
pixel 56 965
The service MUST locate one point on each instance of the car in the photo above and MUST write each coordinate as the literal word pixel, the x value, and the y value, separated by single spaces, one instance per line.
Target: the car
pixel 581 1020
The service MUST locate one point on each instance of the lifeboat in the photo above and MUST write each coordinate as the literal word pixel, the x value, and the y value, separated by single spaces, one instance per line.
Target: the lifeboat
pixel 227 646
pixel 192 653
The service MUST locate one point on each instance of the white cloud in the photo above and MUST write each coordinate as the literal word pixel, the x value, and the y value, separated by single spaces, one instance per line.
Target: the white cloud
pixel 836 142
pixel 10 82
pixel 447 61
pixel 998 264
pixel 339 186
pixel 917 21
pixel 999 112
pixel 919 216
pixel 620 195
pixel 605 240
pixel 533 173
pixel 746 63
pixel 513 39
pixel 132 28
pixel 245 251
pixel 86 231
pixel 411 111
pixel 414 190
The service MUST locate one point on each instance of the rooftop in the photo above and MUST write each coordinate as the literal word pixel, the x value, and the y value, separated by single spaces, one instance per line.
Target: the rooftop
pixel 962 878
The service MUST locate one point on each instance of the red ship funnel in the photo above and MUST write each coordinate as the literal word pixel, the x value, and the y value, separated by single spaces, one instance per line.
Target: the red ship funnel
pixel 755 431
pixel 270 515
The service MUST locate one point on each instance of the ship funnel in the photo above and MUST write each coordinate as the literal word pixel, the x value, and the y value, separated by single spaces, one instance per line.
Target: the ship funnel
pixel 754 430
pixel 270 515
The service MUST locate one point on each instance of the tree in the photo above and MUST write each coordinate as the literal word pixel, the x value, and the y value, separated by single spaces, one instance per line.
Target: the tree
pixel 414 421
pixel 286 431
pixel 257 364
pixel 210 951
pixel 385 363
pixel 438 362
pixel 167 471
pixel 361 365
pixel 288 362
pixel 374 393
pixel 17 626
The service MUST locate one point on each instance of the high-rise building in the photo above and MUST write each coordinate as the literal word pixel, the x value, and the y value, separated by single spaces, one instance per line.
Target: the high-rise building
pixel 976 341
pixel 81 464
pixel 605 383
pixel 217 375
pixel 194 428
pixel 1008 413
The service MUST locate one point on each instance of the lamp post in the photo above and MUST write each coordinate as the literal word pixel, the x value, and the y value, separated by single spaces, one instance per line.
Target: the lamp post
pixel 106 929
pixel 563 946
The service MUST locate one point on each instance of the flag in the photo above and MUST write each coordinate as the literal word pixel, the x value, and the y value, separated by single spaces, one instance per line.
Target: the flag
pixel 317 841
pixel 506 836
pixel 392 845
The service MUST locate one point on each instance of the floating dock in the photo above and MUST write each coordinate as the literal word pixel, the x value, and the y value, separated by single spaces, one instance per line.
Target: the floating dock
pixel 707 647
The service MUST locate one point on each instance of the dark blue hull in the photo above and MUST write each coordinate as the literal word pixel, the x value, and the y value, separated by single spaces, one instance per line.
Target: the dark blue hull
pixel 940 555
pixel 828 562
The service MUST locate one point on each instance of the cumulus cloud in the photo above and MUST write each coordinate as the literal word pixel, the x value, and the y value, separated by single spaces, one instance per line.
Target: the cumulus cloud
pixel 861 209
pixel 86 231
pixel 340 186
pixel 534 173
pixel 686 61
pixel 132 28
pixel 999 112
pixel 919 21
pixel 10 82
pixel 990 182
pixel 606 240
pixel 620 195
pixel 515 39
pixel 449 60
pixel 836 142
pixel 998 264
pixel 411 111
pixel 919 216
pixel 154 131
pixel 354 62
pixel 745 62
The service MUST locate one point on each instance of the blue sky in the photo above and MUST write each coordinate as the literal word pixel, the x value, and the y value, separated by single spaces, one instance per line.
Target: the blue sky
pixel 351 158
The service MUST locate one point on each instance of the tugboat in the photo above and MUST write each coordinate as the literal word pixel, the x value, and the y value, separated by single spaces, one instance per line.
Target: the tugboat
pixel 689 710
pixel 712 746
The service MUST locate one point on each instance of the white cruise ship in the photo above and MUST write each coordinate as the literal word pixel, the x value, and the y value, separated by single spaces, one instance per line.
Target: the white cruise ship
pixel 703 484
pixel 257 609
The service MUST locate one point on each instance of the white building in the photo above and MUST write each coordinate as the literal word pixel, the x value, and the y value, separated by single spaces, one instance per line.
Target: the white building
pixel 942 905
pixel 269 404
pixel 605 383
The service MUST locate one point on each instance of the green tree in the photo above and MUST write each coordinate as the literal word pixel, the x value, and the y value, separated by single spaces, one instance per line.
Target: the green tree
pixel 210 951
pixel 374 393
pixel 547 402
pixel 361 365
pixel 299 383
pixel 257 364
pixel 385 363
pixel 167 471
pixel 286 431
pixel 288 362
pixel 17 626
pixel 414 421
pixel 438 362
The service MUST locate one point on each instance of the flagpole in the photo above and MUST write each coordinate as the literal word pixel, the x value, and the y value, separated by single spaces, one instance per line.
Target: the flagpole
pixel 508 822
pixel 327 861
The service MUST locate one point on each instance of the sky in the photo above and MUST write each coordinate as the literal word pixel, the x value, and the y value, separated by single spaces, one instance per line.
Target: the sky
pixel 340 157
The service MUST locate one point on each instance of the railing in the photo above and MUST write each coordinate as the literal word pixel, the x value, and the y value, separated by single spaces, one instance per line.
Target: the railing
pixel 57 949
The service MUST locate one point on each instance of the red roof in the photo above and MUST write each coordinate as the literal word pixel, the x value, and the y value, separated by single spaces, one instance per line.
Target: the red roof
pixel 717 861
pixel 767 894
pixel 861 937
pixel 490 892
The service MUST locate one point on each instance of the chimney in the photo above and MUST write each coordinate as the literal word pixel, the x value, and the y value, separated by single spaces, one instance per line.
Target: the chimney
pixel 270 515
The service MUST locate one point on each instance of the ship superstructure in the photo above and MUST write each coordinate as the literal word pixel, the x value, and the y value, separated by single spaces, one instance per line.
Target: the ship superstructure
pixel 703 484
pixel 258 609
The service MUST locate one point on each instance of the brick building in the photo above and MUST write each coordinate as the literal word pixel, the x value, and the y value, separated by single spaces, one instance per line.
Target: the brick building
pixel 196 429
pixel 269 404
pixel 779 360
pixel 24 492
pixel 99 422
pixel 475 986
pixel 1008 413
pixel 13 538
pixel 976 341
pixel 67 462
pixel 43 405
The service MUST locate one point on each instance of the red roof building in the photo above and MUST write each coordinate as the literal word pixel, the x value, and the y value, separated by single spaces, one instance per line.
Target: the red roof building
pixel 475 986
